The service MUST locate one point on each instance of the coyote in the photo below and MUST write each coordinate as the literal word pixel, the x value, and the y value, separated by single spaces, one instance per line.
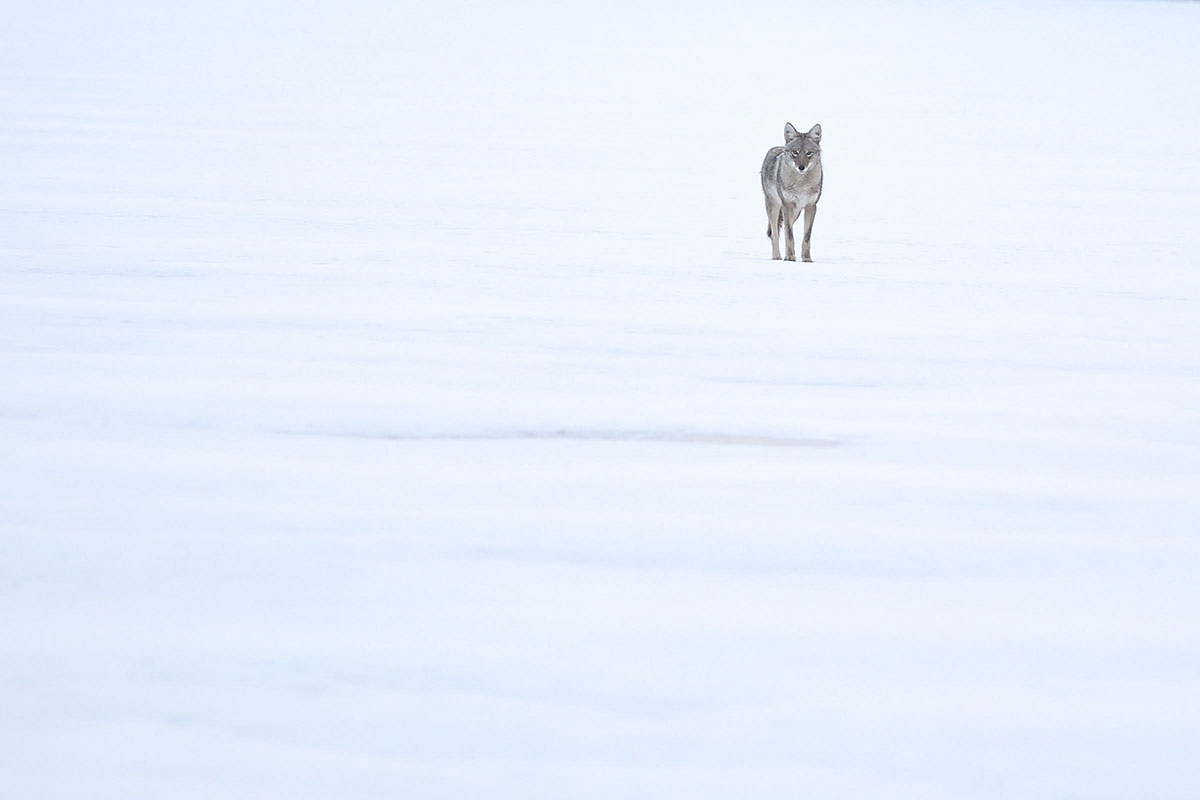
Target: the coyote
pixel 791 180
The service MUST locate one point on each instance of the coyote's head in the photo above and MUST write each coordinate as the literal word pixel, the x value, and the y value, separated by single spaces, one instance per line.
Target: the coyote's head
pixel 804 149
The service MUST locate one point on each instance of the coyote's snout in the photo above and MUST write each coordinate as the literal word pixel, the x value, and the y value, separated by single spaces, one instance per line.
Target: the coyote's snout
pixel 791 181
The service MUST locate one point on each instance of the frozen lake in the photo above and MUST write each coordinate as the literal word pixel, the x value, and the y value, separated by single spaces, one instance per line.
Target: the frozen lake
pixel 399 401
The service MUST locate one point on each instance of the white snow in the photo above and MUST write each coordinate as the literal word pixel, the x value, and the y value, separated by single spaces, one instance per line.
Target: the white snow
pixel 399 401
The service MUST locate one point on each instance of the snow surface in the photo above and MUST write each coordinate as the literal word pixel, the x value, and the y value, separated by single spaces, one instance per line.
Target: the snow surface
pixel 399 402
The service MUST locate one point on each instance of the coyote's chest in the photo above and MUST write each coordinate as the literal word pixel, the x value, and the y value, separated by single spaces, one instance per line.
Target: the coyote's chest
pixel 799 188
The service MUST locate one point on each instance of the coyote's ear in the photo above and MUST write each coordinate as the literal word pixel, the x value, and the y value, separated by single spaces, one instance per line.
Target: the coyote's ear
pixel 814 133
pixel 789 132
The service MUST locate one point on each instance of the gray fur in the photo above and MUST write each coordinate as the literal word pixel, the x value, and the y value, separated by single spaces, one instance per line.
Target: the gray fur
pixel 792 179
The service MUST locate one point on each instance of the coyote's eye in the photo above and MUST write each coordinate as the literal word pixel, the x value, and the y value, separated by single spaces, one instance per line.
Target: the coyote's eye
pixel 809 153
pixel 796 153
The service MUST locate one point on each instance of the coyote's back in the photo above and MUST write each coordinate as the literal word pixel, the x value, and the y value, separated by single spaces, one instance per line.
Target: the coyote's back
pixel 792 180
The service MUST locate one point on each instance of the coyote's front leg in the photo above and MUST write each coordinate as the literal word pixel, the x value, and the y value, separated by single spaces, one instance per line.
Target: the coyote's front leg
pixel 789 222
pixel 774 218
pixel 810 211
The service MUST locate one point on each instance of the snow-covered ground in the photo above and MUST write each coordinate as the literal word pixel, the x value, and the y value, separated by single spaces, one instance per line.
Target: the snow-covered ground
pixel 399 401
